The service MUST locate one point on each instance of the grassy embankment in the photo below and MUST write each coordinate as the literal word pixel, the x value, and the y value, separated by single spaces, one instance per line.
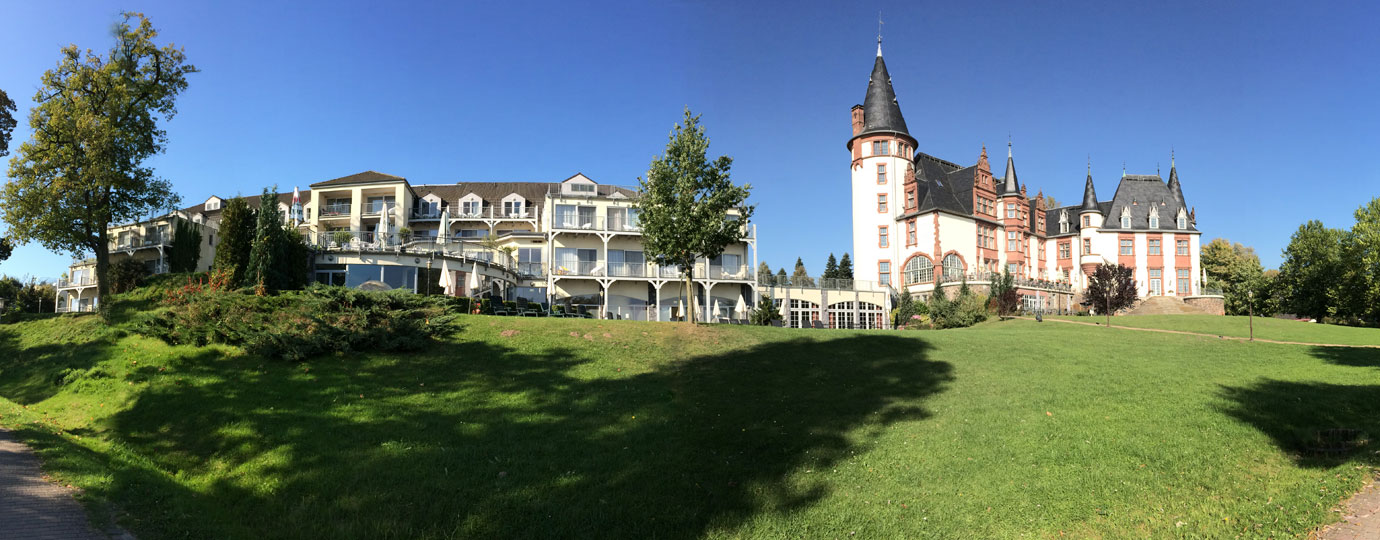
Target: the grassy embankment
pixel 1265 328
pixel 575 428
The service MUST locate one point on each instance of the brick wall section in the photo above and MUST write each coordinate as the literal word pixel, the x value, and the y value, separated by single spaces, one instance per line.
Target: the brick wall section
pixel 1211 305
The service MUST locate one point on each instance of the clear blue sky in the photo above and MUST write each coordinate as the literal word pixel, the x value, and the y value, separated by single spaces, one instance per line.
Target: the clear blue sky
pixel 1270 106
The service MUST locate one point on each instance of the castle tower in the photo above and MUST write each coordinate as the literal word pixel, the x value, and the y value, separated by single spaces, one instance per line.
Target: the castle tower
pixel 1090 220
pixel 881 148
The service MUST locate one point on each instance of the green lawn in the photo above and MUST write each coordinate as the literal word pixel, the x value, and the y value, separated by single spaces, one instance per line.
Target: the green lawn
pixel 613 429
pixel 1265 328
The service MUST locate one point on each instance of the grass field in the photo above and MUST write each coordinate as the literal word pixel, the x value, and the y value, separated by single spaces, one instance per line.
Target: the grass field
pixel 615 429
pixel 1265 328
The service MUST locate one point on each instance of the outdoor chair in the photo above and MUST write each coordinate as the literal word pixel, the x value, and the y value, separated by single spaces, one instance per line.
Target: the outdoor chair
pixel 778 323
pixel 817 324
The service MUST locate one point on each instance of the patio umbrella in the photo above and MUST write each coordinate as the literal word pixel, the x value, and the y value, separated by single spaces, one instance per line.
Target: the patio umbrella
pixel 741 308
pixel 383 226
pixel 680 308
pixel 717 309
pixel 445 226
pixel 296 205
pixel 474 278
pixel 447 281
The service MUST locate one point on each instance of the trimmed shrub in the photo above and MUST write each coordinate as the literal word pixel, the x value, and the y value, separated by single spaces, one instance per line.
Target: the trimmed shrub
pixel 298 325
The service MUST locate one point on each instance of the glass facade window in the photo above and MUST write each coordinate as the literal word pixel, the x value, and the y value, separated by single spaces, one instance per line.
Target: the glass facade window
pixel 919 270
pixel 1181 247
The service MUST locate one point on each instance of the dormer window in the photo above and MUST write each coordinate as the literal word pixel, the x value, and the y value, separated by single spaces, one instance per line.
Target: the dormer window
pixel 1125 218
pixel 1182 220
pixel 213 204
pixel 1063 222
pixel 1154 218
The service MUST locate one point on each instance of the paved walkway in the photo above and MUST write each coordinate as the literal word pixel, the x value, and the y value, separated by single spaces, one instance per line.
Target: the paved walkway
pixel 31 508
pixel 1360 517
pixel 1235 338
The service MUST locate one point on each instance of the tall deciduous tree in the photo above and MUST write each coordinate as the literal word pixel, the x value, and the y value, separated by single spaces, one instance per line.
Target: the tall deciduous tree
pixel 845 267
pixel 686 202
pixel 7 122
pixel 1361 253
pixel 1237 269
pixel 1309 275
pixel 1004 292
pixel 1111 288
pixel 237 225
pixel 95 125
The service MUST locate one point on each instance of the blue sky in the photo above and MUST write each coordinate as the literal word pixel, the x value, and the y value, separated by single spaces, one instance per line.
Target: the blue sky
pixel 1270 106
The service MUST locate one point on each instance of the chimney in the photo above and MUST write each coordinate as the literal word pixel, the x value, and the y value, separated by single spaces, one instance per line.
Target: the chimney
pixel 857 119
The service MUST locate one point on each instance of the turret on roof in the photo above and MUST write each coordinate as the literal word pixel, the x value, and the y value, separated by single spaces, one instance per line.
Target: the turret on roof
pixel 881 112
pixel 1174 183
pixel 1089 195
pixel 1010 186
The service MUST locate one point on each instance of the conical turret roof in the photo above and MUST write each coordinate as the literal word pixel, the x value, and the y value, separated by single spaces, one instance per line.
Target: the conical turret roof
pixel 881 112
pixel 1089 196
pixel 1011 186
pixel 1174 184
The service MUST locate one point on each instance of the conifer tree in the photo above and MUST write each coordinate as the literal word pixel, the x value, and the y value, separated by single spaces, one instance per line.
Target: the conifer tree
pixel 186 247
pixel 801 277
pixel 831 268
pixel 237 225
pixel 781 279
pixel 845 267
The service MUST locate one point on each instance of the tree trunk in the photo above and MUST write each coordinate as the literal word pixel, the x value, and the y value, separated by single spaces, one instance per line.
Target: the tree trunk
pixel 102 249
pixel 689 297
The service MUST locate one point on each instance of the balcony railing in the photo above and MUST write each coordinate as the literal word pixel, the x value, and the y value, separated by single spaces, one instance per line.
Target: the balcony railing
pixel 457 212
pixel 333 210
pixel 84 281
pixel 626 269
pixel 579 268
pixel 371 241
pixel 600 191
pixel 136 242
pixel 64 308
pixel 575 222
pixel 531 269
pixel 729 272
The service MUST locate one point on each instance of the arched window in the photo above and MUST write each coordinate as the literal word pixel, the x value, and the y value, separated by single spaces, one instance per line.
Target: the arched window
pixel 919 269
pixel 953 267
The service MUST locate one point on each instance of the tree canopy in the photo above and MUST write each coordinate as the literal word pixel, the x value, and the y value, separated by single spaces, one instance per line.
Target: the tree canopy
pixel 95 124
pixel 7 122
pixel 1237 270
pixel 801 277
pixel 237 225
pixel 688 203
pixel 1310 270
pixel 1111 288
pixel 845 267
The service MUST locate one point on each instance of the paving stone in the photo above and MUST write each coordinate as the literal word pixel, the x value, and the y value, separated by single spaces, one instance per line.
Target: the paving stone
pixel 32 508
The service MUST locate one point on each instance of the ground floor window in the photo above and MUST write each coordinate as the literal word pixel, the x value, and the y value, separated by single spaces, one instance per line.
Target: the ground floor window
pixel 381 276
pixel 849 314
pixel 330 274
pixel 1185 282
pixel 803 312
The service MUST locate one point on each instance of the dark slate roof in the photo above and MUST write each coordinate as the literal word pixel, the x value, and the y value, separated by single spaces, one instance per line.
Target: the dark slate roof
pixel 941 185
pixel 492 193
pixel 881 112
pixel 1009 184
pixel 1089 196
pixel 1140 193
pixel 252 201
pixel 1174 186
pixel 360 178
pixel 1052 221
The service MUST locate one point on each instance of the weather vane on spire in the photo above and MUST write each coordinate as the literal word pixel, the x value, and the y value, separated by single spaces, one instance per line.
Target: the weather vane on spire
pixel 879 32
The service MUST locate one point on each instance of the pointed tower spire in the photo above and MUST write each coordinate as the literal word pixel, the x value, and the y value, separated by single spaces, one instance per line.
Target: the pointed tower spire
pixel 1011 186
pixel 881 112
pixel 1174 186
pixel 1089 194
pixel 879 33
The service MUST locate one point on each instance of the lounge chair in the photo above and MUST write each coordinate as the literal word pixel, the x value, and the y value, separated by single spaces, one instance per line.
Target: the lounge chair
pixel 817 324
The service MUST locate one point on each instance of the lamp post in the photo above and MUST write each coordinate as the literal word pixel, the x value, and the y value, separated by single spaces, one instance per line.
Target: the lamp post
pixel 1250 311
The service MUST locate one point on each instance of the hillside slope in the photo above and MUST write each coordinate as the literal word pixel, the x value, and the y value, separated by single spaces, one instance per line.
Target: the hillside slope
pixel 521 427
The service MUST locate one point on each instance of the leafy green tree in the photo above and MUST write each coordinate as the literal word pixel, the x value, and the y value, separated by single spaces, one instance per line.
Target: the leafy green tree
pixel 6 248
pixel 126 275
pixel 686 202
pixel 7 122
pixel 845 267
pixel 1361 253
pixel 186 247
pixel 95 124
pixel 781 279
pixel 1004 292
pixel 1310 271
pixel 237 225
pixel 801 277
pixel 1111 288
pixel 1236 269
pixel 831 268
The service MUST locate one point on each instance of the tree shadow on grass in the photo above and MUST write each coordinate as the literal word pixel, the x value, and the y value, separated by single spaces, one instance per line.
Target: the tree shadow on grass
pixel 1318 424
pixel 480 439
pixel 1349 356
pixel 32 374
